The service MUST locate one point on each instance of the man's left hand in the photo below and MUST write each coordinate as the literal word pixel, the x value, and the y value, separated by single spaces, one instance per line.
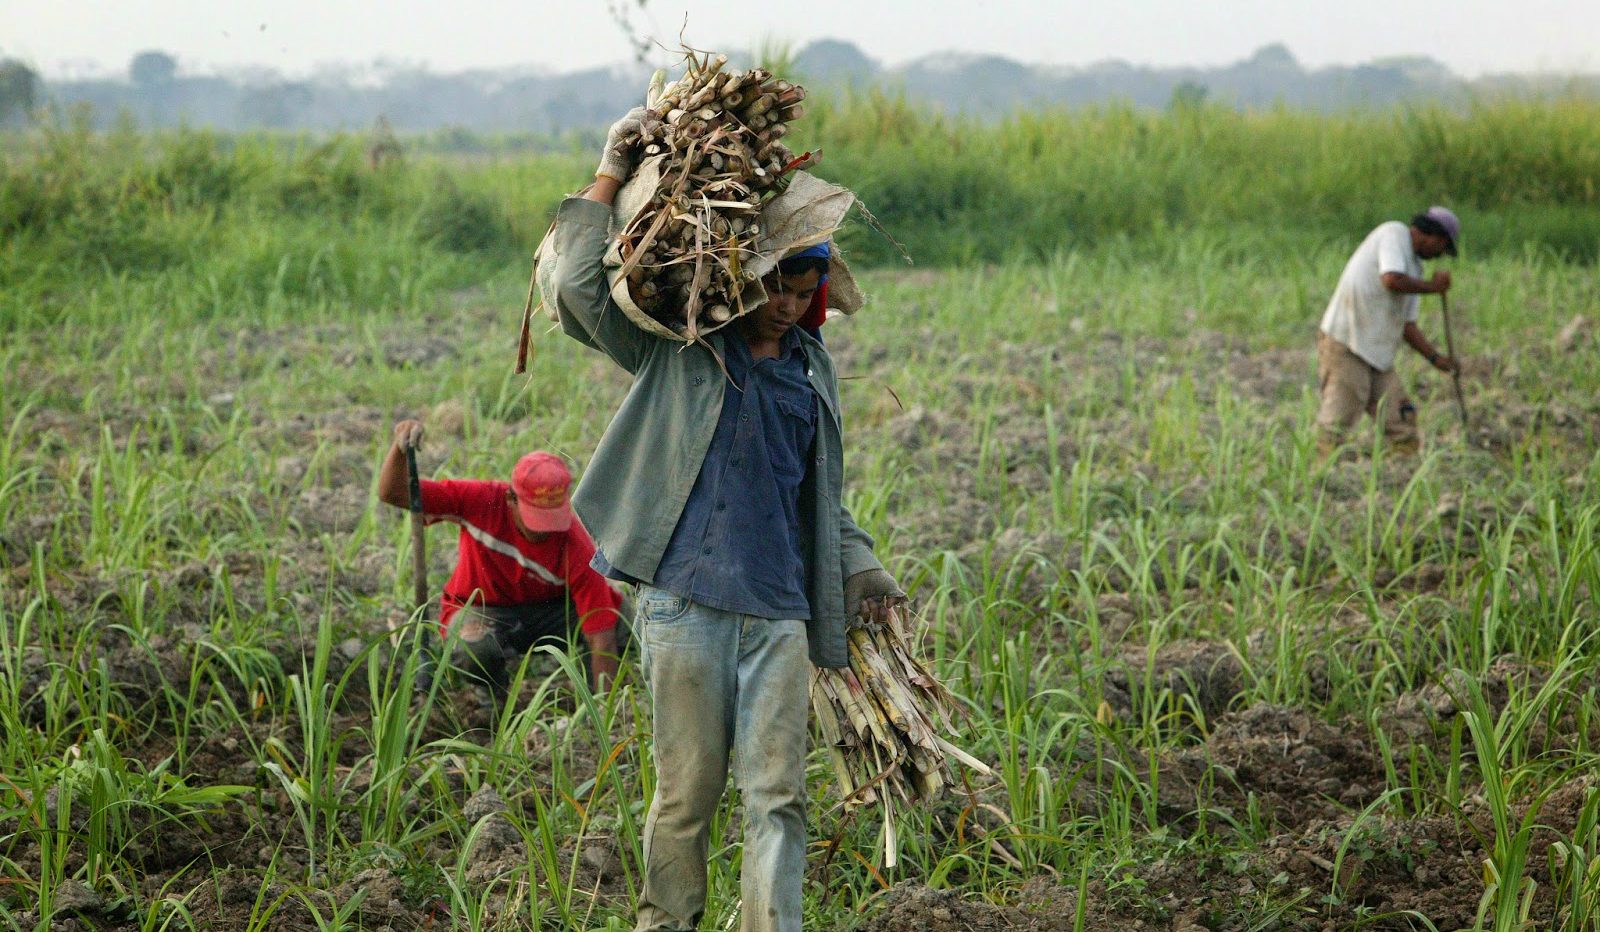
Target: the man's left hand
pixel 870 595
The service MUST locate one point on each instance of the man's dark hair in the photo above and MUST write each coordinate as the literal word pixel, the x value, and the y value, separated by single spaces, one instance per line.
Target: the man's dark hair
pixel 1430 227
pixel 800 265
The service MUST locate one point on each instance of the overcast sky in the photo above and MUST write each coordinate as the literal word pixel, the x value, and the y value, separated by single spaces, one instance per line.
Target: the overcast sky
pixel 70 37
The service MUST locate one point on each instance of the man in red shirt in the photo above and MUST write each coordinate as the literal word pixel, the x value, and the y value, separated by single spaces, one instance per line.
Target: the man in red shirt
pixel 523 576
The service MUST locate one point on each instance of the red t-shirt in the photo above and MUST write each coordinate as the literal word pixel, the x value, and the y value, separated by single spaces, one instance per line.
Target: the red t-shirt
pixel 499 567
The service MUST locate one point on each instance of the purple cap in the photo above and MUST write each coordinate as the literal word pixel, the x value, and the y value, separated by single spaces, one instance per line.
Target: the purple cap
pixel 1446 218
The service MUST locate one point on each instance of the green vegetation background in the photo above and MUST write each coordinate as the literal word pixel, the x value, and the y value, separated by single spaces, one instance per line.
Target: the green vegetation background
pixel 205 339
pixel 269 219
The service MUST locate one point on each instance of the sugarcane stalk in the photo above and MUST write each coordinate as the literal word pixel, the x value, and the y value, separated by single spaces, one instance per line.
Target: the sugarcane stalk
pixel 897 710
pixel 891 839
pixel 826 720
pixel 879 691
pixel 963 757
pixel 841 771
pixel 866 724
pixel 716 133
pixel 849 729
pixel 900 698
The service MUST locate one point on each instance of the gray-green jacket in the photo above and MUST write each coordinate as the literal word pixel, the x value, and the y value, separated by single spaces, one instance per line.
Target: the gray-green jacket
pixel 636 485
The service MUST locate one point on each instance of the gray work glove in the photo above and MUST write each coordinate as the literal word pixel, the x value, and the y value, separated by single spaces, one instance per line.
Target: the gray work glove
pixel 870 594
pixel 619 158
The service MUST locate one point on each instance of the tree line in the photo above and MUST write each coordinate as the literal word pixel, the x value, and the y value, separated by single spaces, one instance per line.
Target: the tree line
pixel 155 91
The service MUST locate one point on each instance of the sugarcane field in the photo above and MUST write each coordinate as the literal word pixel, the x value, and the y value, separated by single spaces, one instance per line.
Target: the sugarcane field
pixel 759 499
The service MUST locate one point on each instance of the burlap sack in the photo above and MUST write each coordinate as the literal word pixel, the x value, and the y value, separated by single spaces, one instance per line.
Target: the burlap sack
pixel 808 212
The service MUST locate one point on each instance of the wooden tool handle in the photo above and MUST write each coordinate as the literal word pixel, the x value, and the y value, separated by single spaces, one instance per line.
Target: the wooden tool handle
pixel 419 540
pixel 1455 372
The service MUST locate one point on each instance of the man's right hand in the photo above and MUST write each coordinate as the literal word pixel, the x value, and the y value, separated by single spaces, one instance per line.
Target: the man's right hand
pixel 408 434
pixel 1440 283
pixel 870 595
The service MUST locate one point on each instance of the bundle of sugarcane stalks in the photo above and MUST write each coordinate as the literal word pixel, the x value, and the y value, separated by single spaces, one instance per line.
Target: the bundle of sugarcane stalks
pixel 717 135
pixel 883 719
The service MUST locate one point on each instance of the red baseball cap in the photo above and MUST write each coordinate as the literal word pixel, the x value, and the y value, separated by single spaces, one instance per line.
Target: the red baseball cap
pixel 543 485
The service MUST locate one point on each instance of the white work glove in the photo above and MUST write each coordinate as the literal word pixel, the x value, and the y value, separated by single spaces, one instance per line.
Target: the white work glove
pixel 619 158
pixel 869 595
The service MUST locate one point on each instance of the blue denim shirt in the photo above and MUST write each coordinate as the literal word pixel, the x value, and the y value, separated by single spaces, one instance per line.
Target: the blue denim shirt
pixel 737 545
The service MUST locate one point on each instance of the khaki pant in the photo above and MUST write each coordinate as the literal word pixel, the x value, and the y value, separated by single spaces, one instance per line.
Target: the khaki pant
pixel 1350 386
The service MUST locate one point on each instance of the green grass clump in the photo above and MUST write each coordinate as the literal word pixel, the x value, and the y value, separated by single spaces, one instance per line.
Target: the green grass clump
pixel 260 220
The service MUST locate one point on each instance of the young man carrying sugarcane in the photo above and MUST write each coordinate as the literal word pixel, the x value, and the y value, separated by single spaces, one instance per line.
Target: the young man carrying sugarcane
pixel 522 578
pixel 720 495
pixel 1374 308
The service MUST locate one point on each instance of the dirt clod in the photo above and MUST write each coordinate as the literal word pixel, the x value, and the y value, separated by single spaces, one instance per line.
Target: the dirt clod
pixel 911 905
pixel 77 897
pixel 1299 766
pixel 499 847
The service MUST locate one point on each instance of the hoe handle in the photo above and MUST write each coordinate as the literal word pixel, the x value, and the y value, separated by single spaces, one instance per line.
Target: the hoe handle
pixel 419 540
pixel 1450 348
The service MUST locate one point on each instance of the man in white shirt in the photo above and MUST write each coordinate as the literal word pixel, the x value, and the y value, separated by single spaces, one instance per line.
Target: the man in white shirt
pixel 1372 311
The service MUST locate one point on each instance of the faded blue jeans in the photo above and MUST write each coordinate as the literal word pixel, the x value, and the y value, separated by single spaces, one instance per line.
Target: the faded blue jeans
pixel 723 684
